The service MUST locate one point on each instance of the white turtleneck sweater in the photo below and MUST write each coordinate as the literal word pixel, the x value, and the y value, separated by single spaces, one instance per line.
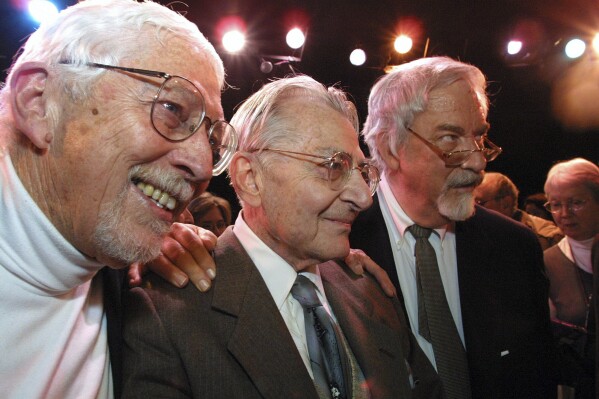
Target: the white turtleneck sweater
pixel 53 339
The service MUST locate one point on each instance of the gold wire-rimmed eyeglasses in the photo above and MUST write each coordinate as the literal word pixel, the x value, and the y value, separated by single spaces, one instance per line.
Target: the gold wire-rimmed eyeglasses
pixel 178 110
pixel 574 205
pixel 486 147
pixel 339 167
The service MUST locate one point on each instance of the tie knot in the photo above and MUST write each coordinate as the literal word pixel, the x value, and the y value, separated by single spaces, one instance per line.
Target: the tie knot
pixel 304 292
pixel 419 231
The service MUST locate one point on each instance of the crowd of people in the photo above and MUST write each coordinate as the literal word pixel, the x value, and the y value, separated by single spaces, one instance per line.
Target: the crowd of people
pixel 111 127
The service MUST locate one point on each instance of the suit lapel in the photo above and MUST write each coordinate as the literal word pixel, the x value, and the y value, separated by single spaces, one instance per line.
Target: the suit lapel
pixel 260 340
pixel 378 348
pixel 369 233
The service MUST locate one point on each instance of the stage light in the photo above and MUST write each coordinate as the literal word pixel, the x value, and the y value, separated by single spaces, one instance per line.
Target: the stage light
pixel 514 47
pixel 42 10
pixel 295 38
pixel 575 48
pixel 233 41
pixel 403 44
pixel 357 57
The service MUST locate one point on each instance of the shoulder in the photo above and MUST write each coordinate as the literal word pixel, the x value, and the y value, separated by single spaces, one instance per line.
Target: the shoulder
pixel 356 292
pixel 495 226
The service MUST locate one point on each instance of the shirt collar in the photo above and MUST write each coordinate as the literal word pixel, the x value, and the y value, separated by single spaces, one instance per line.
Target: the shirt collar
pixel 278 275
pixel 400 219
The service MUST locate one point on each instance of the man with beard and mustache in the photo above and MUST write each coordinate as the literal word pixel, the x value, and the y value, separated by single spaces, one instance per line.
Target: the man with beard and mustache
pixel 427 133
pixel 105 121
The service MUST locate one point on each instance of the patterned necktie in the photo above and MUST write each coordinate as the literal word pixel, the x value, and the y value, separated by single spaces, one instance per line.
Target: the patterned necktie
pixel 325 355
pixel 435 322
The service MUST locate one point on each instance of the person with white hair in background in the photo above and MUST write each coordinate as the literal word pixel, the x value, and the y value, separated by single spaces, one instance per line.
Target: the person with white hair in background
pixel 572 189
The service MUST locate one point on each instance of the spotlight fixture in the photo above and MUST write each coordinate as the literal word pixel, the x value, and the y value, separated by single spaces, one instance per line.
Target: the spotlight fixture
pixel 266 67
pixel 269 62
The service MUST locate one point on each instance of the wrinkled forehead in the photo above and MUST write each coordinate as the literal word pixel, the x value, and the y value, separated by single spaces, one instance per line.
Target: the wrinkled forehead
pixel 178 56
pixel 449 100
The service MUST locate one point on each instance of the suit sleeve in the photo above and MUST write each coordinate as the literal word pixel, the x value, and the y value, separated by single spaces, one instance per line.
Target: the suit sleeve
pixel 151 366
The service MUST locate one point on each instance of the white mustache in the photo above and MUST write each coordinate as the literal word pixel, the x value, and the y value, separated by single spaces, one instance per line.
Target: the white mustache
pixel 464 178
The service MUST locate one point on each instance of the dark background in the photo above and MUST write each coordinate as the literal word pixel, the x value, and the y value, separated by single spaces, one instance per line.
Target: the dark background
pixel 522 114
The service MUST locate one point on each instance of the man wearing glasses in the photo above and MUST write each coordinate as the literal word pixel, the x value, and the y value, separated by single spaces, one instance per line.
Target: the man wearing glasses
pixel 110 124
pixel 276 324
pixel 484 325
pixel 499 193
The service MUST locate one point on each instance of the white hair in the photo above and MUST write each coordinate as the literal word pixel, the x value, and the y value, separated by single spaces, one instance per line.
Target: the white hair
pixel 403 93
pixel 104 31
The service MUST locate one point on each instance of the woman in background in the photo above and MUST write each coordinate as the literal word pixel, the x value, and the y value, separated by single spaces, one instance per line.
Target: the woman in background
pixel 211 213
pixel 572 189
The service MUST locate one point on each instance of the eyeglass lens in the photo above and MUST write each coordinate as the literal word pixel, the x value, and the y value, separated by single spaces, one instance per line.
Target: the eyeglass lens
pixel 490 153
pixel 572 206
pixel 178 109
pixel 223 141
pixel 340 167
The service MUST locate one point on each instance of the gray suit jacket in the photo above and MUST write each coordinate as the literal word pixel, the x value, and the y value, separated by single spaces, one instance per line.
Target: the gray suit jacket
pixel 232 342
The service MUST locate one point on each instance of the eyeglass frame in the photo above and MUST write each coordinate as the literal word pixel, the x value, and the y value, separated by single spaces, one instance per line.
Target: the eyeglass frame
pixel 329 159
pixel 446 155
pixel 166 76
pixel 570 206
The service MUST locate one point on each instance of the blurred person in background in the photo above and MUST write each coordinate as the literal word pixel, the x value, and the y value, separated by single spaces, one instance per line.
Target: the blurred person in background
pixel 211 213
pixel 499 193
pixel 572 189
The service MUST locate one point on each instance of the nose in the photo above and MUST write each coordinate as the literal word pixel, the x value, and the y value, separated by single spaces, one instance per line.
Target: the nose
pixel 357 192
pixel 193 157
pixel 476 161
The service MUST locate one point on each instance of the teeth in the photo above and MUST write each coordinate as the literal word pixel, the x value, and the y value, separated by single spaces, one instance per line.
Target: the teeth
pixel 161 198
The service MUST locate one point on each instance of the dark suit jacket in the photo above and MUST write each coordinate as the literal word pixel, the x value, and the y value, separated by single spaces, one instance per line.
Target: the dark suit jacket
pixel 503 295
pixel 113 281
pixel 232 342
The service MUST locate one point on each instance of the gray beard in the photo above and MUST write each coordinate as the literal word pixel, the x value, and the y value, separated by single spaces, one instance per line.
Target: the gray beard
pixel 456 205
pixel 115 238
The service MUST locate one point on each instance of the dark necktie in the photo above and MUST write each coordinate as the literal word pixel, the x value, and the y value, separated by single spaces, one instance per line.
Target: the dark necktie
pixel 435 322
pixel 323 347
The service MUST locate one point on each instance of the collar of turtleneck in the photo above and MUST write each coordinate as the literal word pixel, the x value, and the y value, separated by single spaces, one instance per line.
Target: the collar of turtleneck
pixel 31 248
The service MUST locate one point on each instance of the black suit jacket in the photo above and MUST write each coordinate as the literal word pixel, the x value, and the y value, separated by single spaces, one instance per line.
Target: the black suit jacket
pixel 232 342
pixel 503 297
pixel 113 282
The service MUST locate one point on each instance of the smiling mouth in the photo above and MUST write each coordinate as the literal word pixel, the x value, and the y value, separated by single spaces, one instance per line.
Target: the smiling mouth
pixel 162 199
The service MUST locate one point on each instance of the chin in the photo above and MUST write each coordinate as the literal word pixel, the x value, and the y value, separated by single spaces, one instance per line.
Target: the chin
pixel 456 205
pixel 339 251
pixel 127 237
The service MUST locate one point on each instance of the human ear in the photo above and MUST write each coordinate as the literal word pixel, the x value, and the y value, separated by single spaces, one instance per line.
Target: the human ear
pixel 28 99
pixel 391 160
pixel 246 178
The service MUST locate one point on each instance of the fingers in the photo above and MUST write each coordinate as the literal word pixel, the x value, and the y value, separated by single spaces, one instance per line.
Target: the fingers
pixel 168 270
pixel 188 249
pixel 134 274
pixel 354 261
pixel 358 261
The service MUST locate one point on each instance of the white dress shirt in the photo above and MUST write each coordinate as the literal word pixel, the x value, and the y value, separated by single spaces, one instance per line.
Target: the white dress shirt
pixel 279 277
pixel 402 245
